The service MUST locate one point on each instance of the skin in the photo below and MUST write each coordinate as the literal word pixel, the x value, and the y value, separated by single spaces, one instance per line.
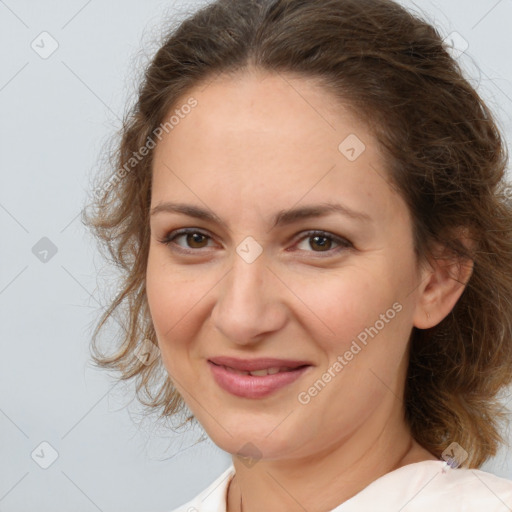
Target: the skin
pixel 257 144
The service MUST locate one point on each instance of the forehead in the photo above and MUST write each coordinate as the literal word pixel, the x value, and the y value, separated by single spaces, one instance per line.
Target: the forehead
pixel 257 137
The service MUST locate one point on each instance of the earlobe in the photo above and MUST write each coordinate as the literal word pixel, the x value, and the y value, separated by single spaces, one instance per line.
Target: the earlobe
pixel 442 284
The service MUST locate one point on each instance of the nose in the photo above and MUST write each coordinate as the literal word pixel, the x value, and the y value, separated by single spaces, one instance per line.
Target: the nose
pixel 249 304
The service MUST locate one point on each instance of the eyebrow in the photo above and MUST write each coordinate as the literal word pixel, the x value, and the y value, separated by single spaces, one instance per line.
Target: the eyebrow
pixel 281 218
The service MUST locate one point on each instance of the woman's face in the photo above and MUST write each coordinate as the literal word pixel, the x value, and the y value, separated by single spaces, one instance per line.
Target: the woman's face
pixel 341 302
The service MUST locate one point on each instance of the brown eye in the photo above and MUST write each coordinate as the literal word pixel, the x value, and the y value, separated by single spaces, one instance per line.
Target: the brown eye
pixel 320 241
pixel 193 240
pixel 323 242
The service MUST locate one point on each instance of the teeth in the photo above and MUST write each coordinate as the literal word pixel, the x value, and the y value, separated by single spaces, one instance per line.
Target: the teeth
pixel 262 373
pixel 259 373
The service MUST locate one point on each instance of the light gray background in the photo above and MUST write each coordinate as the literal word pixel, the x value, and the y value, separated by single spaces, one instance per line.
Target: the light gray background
pixel 55 115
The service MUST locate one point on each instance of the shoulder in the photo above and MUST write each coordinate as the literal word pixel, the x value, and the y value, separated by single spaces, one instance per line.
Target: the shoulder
pixel 432 485
pixel 419 487
pixel 213 498
pixel 473 487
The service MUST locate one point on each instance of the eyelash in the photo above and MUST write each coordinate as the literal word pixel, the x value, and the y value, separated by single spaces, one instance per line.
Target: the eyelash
pixel 342 242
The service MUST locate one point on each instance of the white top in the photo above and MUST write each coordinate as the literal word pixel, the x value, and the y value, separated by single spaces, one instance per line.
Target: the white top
pixel 428 486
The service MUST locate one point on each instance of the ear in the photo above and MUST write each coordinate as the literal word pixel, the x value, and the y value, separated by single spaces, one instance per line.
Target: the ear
pixel 442 282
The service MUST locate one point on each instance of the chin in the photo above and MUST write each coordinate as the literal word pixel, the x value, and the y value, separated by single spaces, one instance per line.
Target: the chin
pixel 254 442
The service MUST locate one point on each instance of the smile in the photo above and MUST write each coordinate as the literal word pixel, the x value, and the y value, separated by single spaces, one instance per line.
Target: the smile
pixel 255 384
pixel 260 373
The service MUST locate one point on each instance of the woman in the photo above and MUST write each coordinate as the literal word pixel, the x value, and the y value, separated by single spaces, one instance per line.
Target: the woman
pixel 311 214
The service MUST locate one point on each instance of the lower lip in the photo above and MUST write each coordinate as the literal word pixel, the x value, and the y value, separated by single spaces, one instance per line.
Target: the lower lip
pixel 249 386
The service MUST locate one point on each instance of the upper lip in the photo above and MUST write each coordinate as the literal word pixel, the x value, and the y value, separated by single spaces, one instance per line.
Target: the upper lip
pixel 251 365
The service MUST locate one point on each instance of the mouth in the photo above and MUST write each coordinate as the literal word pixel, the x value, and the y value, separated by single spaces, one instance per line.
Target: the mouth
pixel 261 363
pixel 256 378
pixel 261 373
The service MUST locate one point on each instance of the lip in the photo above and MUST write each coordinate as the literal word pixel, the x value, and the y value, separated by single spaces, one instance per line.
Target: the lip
pixel 250 386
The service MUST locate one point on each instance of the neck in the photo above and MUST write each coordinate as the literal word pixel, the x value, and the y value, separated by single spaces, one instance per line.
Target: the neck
pixel 324 480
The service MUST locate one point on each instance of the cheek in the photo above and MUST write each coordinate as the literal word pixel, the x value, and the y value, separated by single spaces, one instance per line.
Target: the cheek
pixel 180 299
pixel 342 304
pixel 170 303
pixel 364 326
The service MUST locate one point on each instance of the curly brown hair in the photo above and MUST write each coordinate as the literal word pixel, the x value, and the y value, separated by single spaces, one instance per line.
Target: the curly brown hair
pixel 444 154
